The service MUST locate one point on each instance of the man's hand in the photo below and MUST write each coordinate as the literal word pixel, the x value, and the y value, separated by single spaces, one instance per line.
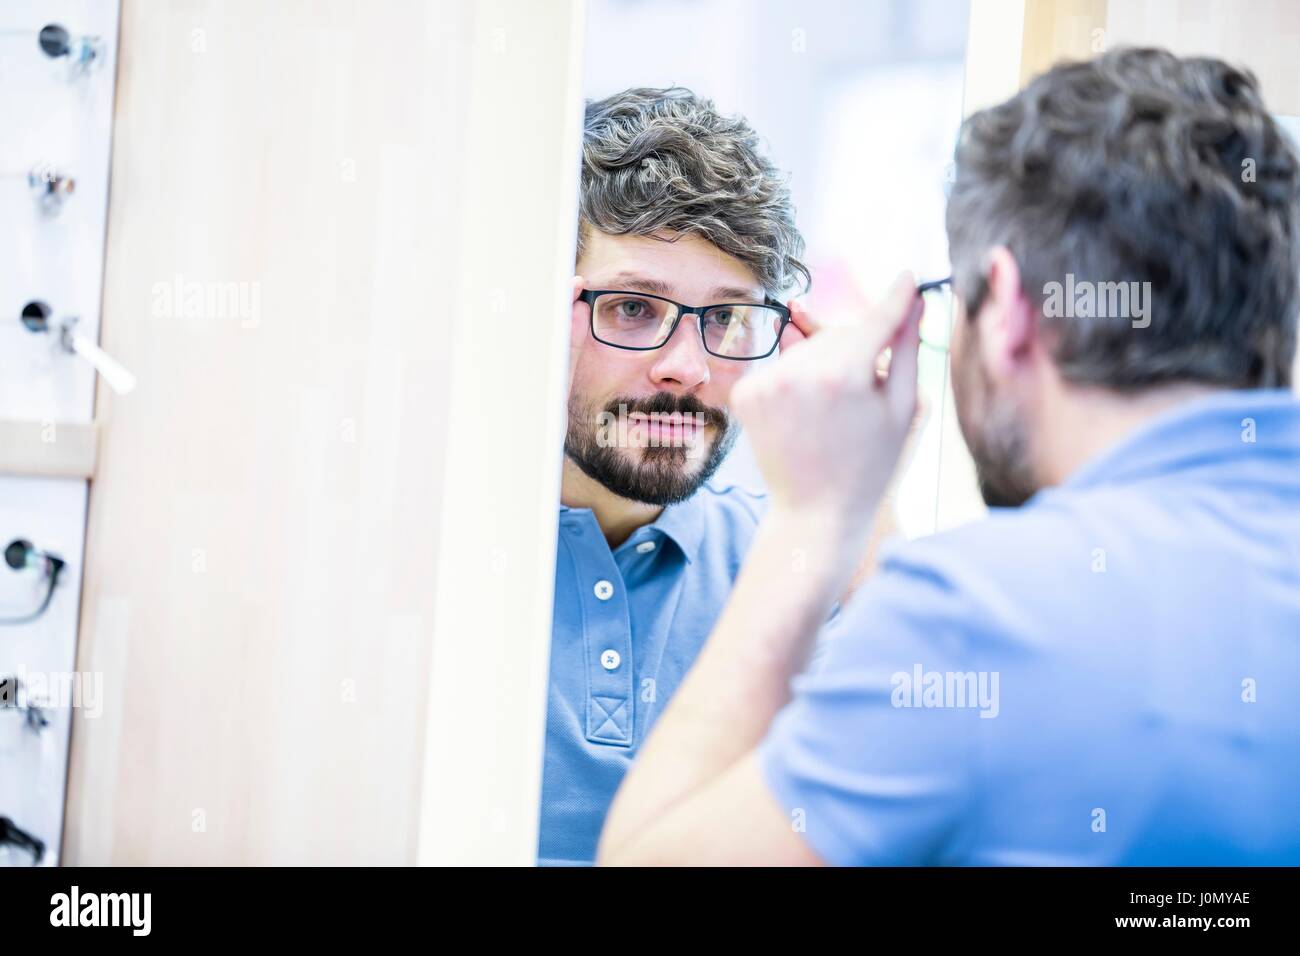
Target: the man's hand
pixel 827 429
pixel 826 426
pixel 844 298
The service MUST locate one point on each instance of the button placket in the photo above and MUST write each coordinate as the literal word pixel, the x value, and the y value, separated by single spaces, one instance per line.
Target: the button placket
pixel 610 703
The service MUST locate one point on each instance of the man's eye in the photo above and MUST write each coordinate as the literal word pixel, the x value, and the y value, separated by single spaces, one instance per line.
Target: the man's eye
pixel 633 310
pixel 722 318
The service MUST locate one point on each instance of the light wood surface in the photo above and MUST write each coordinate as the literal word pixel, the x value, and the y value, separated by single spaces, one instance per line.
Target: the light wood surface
pixel 47 449
pixel 315 462
pixel 1263 35
pixel 1060 30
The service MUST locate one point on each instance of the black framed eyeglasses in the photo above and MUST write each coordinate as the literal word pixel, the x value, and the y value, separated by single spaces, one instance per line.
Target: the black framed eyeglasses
pixel 640 322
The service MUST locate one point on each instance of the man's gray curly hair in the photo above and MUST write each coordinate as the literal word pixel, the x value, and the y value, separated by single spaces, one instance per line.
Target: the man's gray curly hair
pixel 1141 166
pixel 666 160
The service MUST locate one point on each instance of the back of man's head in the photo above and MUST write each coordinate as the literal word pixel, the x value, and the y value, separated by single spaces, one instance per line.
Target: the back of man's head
pixel 1142 168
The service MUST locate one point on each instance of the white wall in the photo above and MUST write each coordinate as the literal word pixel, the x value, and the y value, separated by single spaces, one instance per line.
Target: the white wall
pixel 60 120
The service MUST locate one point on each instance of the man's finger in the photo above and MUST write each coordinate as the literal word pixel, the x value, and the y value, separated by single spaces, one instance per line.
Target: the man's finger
pixel 802 319
pixel 901 387
pixel 881 324
pixel 791 337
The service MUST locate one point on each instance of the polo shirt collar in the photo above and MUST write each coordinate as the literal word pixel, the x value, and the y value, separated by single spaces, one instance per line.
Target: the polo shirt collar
pixel 1204 430
pixel 682 523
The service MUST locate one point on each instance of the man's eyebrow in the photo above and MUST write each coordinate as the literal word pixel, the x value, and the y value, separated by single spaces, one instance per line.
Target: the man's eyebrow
pixel 737 294
pixel 639 283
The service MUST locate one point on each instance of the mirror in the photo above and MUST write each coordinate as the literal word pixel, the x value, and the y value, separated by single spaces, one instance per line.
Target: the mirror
pixel 731 152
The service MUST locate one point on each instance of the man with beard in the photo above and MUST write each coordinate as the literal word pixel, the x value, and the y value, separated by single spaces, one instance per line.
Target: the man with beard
pixel 686 241
pixel 1102 671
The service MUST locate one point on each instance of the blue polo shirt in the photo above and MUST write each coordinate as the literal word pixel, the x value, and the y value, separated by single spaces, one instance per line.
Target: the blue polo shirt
pixel 1109 675
pixel 628 625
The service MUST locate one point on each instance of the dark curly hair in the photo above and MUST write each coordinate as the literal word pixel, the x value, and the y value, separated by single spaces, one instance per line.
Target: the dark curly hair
pixel 666 159
pixel 1140 166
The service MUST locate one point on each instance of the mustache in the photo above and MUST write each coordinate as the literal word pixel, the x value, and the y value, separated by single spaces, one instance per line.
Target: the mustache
pixel 666 403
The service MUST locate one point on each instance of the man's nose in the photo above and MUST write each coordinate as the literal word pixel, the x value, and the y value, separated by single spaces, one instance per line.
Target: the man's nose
pixel 682 362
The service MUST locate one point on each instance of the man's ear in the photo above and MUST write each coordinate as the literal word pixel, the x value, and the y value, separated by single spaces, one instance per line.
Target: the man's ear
pixel 579 285
pixel 579 324
pixel 1008 322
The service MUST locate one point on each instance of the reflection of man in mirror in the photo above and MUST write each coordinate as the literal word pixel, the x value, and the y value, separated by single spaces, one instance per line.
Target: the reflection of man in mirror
pixel 1073 680
pixel 686 243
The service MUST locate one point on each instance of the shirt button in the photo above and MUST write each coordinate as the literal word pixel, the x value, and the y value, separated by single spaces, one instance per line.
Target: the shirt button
pixel 645 547
pixel 604 590
pixel 610 660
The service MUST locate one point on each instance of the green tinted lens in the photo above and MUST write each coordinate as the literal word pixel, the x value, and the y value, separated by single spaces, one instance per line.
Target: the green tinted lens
pixel 631 320
pixel 936 322
pixel 741 331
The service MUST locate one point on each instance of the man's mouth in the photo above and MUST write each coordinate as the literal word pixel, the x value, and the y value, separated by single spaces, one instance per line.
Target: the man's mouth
pixel 666 428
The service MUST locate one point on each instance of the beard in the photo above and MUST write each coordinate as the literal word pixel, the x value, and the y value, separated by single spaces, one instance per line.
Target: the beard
pixel 662 474
pixel 995 433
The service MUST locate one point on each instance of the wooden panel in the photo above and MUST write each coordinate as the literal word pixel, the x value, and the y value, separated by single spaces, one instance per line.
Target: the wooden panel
pixel 1263 35
pixel 48 449
pixel 288 276
pixel 1058 30
pixel 496 572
